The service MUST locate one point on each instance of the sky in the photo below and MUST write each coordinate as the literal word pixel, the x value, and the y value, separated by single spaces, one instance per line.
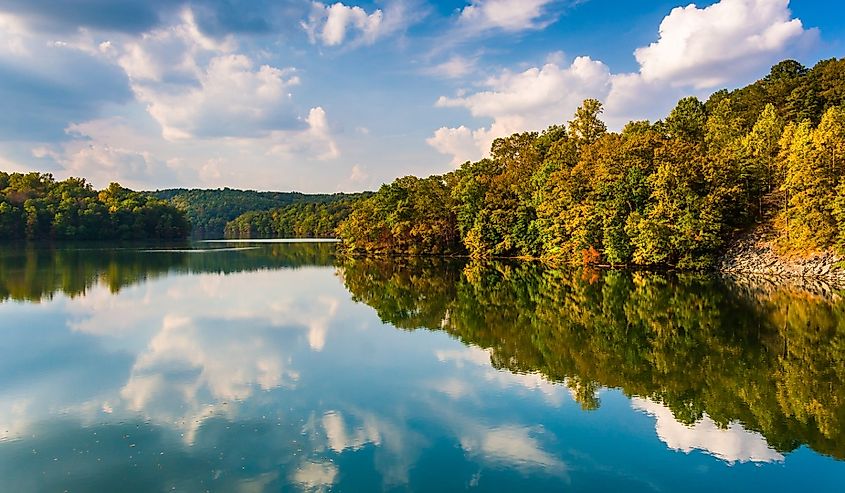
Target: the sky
pixel 325 97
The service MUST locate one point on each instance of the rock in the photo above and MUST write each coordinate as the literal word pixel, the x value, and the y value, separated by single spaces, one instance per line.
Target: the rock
pixel 754 255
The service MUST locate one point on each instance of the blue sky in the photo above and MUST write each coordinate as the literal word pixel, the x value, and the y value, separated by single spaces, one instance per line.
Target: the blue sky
pixel 324 97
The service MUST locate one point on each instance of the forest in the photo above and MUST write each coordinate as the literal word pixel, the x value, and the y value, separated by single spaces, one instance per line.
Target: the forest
pixel 34 206
pixel 209 210
pixel 672 192
pixel 302 220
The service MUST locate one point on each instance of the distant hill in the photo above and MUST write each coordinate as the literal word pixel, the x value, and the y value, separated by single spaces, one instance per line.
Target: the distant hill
pixel 210 210
pixel 302 220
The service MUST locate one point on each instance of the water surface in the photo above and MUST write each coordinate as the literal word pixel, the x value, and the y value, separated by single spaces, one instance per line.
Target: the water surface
pixel 278 367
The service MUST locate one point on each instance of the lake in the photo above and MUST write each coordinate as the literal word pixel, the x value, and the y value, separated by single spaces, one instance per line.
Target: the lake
pixel 281 367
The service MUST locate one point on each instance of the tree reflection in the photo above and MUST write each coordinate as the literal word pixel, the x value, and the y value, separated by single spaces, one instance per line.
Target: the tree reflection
pixel 772 360
pixel 35 273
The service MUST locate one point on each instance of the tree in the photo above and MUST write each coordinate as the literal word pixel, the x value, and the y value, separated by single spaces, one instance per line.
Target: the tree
pixel 586 127
pixel 688 120
pixel 761 147
pixel 807 221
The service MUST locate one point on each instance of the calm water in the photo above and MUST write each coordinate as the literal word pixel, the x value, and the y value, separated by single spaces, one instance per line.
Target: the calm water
pixel 277 367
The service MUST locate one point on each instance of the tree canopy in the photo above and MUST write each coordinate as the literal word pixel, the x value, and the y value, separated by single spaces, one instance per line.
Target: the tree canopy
pixel 34 206
pixel 672 192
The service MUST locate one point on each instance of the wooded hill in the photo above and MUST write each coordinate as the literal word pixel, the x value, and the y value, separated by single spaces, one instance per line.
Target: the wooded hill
pixel 302 220
pixel 672 192
pixel 210 210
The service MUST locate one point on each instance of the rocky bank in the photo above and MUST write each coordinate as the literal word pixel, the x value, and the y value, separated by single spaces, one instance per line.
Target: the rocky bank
pixel 753 255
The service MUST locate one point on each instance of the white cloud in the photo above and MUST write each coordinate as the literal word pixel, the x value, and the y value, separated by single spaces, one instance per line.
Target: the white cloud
pixel 698 49
pixel 132 151
pixel 454 68
pixel 233 99
pixel 196 86
pixel 358 174
pixel 333 24
pixel 508 15
pixel 196 363
pixel 102 163
pixel 460 143
pixel 9 165
pixel 90 155
pixel 731 444
pixel 204 114
pixel 316 141
pixel 532 99
pixel 170 53
pixel 226 370
pixel 711 46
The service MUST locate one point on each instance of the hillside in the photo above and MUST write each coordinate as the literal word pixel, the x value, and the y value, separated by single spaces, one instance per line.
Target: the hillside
pixel 670 193
pixel 300 220
pixel 209 210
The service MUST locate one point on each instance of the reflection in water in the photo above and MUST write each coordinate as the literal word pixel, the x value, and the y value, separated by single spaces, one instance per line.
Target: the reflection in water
pixel 250 370
pixel 732 443
pixel 33 274
pixel 773 362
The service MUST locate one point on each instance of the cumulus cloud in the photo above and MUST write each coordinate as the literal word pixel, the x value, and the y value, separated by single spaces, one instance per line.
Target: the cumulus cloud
pixel 731 444
pixel 358 174
pixel 460 143
pixel 331 25
pixel 507 15
pixel 315 141
pixel 711 46
pixel 516 101
pixel 191 353
pixel 12 35
pixel 196 86
pixel 697 49
pixel 183 106
pixel 234 98
pixel 102 163
pixel 226 371
pixel 478 360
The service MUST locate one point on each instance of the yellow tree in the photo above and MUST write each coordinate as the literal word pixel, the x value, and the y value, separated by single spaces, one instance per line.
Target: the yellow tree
pixel 808 221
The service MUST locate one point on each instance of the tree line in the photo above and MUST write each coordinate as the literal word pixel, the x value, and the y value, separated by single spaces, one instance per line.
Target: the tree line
pixel 672 192
pixel 302 220
pixel 34 206
pixel 210 210
pixel 38 272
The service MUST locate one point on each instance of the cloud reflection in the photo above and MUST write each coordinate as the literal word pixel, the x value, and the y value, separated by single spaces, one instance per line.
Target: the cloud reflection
pixel 731 444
